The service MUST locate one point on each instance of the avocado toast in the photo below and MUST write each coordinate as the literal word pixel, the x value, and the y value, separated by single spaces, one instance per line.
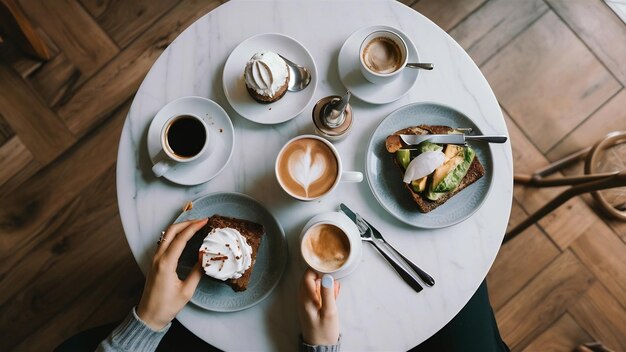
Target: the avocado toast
pixel 460 169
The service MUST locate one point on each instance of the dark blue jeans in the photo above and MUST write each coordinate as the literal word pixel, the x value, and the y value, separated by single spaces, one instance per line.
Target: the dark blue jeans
pixel 473 329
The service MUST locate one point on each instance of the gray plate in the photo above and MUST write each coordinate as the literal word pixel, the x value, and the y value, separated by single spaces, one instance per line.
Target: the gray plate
pixel 385 179
pixel 270 261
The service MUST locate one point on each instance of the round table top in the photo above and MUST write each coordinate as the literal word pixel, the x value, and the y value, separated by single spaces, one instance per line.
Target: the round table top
pixel 378 311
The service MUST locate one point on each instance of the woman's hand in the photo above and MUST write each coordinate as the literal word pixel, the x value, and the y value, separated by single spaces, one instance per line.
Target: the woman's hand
pixel 317 310
pixel 164 294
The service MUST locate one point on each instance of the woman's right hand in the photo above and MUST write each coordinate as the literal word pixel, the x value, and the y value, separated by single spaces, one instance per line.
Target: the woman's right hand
pixel 164 294
pixel 319 318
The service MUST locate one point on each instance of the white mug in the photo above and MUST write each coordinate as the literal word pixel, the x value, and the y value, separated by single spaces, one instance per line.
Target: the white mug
pixel 167 158
pixel 351 232
pixel 383 78
pixel 342 176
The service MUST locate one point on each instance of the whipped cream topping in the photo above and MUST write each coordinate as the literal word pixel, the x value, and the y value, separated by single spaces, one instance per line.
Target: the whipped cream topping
pixel 266 72
pixel 225 254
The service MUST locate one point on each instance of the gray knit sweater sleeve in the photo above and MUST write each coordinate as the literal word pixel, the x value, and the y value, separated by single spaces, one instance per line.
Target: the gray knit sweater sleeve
pixel 305 347
pixel 132 335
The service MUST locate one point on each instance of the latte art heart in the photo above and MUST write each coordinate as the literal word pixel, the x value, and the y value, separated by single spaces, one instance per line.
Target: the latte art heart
pixel 306 168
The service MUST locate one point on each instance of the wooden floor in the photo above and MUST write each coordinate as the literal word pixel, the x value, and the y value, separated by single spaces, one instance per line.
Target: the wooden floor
pixel 558 68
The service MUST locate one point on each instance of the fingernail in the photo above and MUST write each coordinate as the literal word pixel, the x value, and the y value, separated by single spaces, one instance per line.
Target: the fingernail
pixel 328 281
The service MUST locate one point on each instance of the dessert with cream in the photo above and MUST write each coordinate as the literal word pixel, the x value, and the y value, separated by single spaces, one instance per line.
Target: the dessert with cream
pixel 225 254
pixel 229 249
pixel 267 77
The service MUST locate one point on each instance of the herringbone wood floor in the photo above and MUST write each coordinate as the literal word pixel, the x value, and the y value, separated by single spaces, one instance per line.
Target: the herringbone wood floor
pixel 558 68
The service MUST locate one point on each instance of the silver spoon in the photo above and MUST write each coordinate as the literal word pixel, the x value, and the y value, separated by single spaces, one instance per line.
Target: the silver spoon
pixel 299 77
pixel 420 65
pixel 333 112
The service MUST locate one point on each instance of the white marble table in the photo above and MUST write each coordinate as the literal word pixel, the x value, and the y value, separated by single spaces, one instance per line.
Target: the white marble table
pixel 378 310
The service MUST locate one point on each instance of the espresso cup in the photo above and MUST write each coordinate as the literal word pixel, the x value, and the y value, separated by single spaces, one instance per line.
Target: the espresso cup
pixel 383 55
pixel 184 138
pixel 330 244
pixel 308 167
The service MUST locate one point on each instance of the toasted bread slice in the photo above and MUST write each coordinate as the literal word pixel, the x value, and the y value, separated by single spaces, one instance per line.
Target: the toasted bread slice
pixel 425 205
pixel 253 233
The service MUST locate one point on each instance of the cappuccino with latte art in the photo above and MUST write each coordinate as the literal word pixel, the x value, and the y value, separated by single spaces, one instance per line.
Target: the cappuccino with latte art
pixel 307 168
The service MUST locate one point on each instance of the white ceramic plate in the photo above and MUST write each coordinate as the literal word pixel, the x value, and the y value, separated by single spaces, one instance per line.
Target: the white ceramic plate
pixel 270 261
pixel 351 76
pixel 221 140
pixel 287 107
pixel 385 179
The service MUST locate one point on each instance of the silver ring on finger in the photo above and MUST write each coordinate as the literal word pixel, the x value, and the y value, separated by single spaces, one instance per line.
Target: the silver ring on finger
pixel 161 238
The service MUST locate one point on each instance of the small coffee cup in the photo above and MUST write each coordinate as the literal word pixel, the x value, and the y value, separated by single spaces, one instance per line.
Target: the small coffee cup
pixel 184 138
pixel 383 55
pixel 330 244
pixel 309 167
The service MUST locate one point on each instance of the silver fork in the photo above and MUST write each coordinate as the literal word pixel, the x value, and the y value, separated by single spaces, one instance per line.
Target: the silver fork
pixel 421 273
pixel 366 235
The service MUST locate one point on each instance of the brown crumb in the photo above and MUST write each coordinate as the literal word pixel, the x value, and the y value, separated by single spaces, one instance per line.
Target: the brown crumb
pixel 223 257
pixel 221 130
pixel 188 206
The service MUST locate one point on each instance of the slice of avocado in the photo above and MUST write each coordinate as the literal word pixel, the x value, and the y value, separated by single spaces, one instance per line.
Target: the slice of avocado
pixel 432 195
pixel 455 175
pixel 427 146
pixel 403 156
pixel 454 156
pixel 419 185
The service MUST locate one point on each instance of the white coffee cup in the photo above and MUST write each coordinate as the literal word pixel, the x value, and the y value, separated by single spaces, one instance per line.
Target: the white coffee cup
pixel 297 184
pixel 309 237
pixel 189 143
pixel 391 71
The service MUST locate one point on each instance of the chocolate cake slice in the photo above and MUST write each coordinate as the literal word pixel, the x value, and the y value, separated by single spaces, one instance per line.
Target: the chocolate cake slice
pixel 253 234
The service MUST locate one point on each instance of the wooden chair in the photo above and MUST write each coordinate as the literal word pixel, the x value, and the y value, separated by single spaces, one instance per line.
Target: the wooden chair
pixel 590 182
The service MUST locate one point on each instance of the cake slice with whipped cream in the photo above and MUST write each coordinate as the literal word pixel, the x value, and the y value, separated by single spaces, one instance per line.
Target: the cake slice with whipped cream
pixel 266 76
pixel 229 249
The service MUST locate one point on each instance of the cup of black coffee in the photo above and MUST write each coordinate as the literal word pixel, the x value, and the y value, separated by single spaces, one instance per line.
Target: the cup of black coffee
pixel 184 138
pixel 383 55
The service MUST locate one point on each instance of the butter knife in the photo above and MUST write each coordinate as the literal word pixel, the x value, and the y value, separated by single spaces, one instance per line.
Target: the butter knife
pixel 453 138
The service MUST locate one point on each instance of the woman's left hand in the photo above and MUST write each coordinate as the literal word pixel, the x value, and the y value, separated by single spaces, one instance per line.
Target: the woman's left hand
pixel 164 294
pixel 319 317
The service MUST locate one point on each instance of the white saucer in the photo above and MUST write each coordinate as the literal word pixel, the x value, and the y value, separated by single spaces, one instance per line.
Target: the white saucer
pixel 221 140
pixel 287 107
pixel 351 76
